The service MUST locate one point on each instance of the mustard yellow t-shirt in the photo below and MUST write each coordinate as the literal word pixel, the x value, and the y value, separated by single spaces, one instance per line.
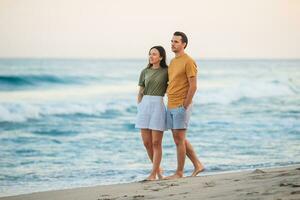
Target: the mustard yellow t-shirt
pixel 180 69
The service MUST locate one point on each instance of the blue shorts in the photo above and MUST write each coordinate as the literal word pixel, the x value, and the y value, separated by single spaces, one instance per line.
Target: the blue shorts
pixel 178 118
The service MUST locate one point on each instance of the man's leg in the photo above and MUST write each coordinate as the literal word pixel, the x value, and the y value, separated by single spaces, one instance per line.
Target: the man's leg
pixel 179 139
pixel 190 152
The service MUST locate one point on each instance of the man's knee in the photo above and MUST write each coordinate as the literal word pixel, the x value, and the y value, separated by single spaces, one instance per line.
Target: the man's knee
pixel 179 141
pixel 179 136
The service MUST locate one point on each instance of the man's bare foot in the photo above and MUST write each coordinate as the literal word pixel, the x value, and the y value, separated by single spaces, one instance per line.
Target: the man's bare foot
pixel 175 176
pixel 198 170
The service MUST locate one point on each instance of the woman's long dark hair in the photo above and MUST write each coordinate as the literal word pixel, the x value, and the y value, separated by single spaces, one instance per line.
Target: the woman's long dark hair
pixel 162 53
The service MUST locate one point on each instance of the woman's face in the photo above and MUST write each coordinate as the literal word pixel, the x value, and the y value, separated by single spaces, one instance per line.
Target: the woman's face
pixel 154 57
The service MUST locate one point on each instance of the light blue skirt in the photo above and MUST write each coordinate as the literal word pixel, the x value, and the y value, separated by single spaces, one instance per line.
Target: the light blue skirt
pixel 151 113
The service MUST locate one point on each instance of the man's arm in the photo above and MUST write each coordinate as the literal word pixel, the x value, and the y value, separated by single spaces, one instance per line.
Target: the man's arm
pixel 140 94
pixel 191 91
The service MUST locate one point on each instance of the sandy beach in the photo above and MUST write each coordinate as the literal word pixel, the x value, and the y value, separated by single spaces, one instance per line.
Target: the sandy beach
pixel 272 183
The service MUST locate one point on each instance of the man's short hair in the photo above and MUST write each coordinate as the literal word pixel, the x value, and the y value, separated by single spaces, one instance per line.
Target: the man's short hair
pixel 184 38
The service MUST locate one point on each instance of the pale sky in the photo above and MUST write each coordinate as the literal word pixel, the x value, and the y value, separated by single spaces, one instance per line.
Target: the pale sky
pixel 128 28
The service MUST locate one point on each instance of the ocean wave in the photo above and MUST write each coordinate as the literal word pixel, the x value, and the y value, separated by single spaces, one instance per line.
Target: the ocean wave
pixel 8 82
pixel 18 112
pixel 110 106
pixel 22 112
pixel 247 89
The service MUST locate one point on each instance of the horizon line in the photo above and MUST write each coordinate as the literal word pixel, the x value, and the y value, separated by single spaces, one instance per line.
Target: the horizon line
pixel 132 58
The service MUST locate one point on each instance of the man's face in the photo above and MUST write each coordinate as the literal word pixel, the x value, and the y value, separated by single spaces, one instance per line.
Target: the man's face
pixel 177 44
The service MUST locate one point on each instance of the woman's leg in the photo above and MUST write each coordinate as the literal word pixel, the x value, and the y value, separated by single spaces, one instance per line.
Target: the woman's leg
pixel 147 140
pixel 157 154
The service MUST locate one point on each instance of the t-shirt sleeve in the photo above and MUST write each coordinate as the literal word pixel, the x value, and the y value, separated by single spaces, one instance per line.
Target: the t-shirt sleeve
pixel 191 68
pixel 142 79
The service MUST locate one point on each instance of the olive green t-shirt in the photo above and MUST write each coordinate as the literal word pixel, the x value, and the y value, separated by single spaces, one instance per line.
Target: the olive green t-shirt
pixel 155 81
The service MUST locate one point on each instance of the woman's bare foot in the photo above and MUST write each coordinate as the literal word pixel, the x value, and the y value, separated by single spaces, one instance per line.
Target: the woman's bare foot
pixel 160 174
pixel 151 177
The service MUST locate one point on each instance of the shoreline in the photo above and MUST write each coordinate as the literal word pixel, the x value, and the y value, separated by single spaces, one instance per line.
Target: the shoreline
pixel 281 182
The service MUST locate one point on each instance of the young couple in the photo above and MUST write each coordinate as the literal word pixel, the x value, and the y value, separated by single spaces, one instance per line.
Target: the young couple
pixel 179 81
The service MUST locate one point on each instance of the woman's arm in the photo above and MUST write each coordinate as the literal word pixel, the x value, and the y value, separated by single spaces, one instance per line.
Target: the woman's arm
pixel 140 94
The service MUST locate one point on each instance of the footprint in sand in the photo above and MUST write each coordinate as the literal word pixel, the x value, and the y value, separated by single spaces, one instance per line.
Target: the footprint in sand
pixel 138 196
pixel 239 190
pixel 167 184
pixel 162 186
pixel 289 184
pixel 209 184
pixel 156 189
pixel 183 193
pixel 285 174
pixel 252 193
pixel 295 192
pixel 105 197
pixel 170 195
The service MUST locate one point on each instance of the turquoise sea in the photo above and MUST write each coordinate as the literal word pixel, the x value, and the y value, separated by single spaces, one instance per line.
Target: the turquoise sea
pixel 70 123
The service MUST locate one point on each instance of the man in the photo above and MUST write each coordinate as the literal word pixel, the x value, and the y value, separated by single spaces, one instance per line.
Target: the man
pixel 181 89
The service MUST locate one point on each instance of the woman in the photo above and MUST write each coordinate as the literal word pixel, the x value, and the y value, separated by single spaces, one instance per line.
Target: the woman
pixel 151 117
